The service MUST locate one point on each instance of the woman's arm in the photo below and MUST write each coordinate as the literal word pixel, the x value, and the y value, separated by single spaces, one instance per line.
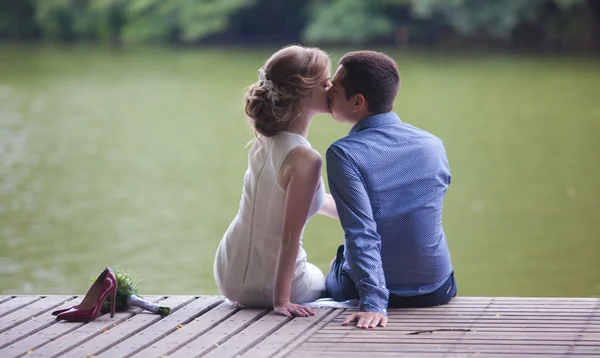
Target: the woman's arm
pixel 329 208
pixel 303 166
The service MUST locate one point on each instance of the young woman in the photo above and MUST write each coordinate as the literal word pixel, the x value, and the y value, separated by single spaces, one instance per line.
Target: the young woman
pixel 260 261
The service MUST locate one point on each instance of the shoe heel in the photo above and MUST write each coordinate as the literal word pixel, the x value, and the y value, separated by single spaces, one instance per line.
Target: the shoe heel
pixel 113 303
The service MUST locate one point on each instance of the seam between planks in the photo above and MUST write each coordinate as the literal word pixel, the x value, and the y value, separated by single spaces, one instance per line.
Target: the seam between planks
pixel 75 327
pixel 207 329
pixel 52 339
pixel 32 332
pixel 129 335
pixel 299 333
pixel 584 328
pixel 232 334
pixel 17 323
pixel 35 330
pixel 263 337
pixel 6 298
pixel 291 346
pixel 203 332
pixel 168 332
pixel 471 326
pixel 5 313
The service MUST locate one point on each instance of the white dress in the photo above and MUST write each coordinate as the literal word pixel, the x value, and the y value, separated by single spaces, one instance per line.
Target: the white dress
pixel 246 259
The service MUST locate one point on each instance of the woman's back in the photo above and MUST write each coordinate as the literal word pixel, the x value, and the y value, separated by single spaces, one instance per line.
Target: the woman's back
pixel 246 260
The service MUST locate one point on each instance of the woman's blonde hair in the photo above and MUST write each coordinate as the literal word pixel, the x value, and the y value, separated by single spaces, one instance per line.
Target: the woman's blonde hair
pixel 285 80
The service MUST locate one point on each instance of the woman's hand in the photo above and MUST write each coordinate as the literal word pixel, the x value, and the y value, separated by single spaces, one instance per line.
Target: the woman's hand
pixel 329 208
pixel 293 310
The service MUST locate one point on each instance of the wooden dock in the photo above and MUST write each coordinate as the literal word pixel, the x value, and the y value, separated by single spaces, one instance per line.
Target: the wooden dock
pixel 206 326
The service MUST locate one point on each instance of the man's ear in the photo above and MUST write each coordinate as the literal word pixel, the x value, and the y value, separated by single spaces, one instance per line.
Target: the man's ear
pixel 359 102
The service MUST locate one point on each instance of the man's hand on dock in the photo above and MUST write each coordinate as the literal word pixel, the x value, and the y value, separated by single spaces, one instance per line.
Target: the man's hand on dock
pixel 366 319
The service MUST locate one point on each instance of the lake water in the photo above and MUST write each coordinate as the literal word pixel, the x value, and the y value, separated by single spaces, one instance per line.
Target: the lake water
pixel 136 158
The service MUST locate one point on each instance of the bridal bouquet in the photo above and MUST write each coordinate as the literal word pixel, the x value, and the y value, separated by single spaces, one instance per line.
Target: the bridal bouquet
pixel 127 295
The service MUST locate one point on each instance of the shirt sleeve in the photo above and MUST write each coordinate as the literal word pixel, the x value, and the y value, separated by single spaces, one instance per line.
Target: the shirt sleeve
pixel 363 243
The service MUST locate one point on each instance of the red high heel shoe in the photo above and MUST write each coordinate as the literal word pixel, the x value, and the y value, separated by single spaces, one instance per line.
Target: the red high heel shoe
pixel 89 309
pixel 98 280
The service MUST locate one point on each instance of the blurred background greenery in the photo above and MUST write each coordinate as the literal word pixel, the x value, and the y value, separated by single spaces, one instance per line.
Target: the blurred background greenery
pixel 558 25
pixel 122 133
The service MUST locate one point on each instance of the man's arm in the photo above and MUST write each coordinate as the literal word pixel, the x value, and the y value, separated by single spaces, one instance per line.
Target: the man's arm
pixel 363 243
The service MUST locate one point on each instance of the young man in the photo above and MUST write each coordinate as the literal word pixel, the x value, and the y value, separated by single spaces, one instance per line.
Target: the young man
pixel 388 180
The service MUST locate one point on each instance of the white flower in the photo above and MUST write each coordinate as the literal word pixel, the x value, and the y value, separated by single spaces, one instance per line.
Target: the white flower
pixel 267 85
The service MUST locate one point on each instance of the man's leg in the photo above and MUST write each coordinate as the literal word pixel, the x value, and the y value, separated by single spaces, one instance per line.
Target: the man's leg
pixel 337 283
pixel 440 296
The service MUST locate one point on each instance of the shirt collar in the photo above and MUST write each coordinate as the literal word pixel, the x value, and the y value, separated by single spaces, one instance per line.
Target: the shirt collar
pixel 376 120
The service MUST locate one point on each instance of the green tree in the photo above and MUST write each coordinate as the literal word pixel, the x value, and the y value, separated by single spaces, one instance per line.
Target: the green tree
pixel 63 19
pixel 347 21
pixel 16 19
pixel 135 20
pixel 180 20
pixel 494 18
pixel 89 20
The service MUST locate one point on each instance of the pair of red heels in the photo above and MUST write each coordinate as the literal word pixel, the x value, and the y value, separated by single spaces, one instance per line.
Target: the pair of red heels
pixel 89 309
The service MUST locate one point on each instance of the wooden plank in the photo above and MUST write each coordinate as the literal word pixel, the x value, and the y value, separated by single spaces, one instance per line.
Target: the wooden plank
pixel 162 328
pixel 491 329
pixel 497 318
pixel 595 350
pixel 248 337
pixel 556 305
pixel 522 301
pixel 27 312
pixel 472 312
pixel 33 325
pixel 463 325
pixel 115 334
pixel 33 342
pixel 189 332
pixel 461 299
pixel 5 298
pixel 530 299
pixel 342 354
pixel 500 316
pixel 56 335
pixel 499 307
pixel 522 304
pixel 367 335
pixel 487 327
pixel 564 306
pixel 571 341
pixel 16 303
pixel 287 334
pixel 219 334
pixel 324 348
pixel 299 341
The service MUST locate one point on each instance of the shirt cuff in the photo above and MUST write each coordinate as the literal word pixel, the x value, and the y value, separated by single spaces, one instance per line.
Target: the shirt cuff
pixel 375 300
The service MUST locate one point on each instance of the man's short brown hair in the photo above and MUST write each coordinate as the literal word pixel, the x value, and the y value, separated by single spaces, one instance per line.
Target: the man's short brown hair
pixel 374 75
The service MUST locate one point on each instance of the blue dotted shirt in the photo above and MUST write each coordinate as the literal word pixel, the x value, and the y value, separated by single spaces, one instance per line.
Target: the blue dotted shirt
pixel 388 180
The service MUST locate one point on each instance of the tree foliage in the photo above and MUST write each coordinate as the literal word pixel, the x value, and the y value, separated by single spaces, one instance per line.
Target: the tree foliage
pixel 347 21
pixel 355 22
pixel 135 20
pixel 180 20
pixel 494 18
